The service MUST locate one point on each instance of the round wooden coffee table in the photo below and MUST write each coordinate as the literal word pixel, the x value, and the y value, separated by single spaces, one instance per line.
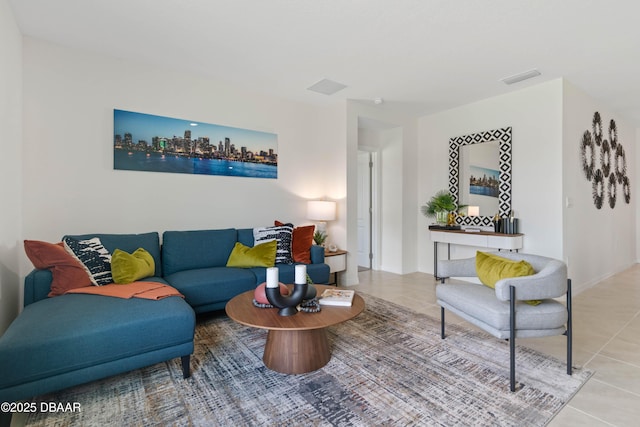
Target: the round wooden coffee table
pixel 295 344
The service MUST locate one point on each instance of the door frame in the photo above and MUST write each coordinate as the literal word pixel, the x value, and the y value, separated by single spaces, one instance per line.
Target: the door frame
pixel 374 191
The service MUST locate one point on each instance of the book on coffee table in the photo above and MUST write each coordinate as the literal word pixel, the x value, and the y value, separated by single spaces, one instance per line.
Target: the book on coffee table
pixel 337 297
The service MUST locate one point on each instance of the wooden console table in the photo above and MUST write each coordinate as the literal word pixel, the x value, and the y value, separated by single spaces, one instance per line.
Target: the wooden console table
pixel 482 239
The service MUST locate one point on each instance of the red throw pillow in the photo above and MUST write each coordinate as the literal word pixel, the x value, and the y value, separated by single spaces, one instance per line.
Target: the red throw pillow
pixel 67 272
pixel 302 240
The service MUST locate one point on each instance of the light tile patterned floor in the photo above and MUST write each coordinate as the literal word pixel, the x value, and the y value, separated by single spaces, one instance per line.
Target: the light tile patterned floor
pixel 606 322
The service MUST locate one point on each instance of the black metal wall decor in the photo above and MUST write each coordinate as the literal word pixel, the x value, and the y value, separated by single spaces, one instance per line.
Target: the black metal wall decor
pixel 611 170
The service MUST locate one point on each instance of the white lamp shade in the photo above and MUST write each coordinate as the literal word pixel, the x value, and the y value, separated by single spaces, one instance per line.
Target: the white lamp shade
pixel 473 210
pixel 321 210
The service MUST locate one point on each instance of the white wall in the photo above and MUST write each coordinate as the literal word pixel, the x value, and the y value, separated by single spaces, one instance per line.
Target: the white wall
pixel 597 242
pixel 69 182
pixel 635 192
pixel 10 164
pixel 391 198
pixel 535 114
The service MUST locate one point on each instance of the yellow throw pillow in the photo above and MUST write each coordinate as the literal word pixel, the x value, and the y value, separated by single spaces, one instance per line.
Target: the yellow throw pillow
pixel 127 268
pixel 491 268
pixel 262 255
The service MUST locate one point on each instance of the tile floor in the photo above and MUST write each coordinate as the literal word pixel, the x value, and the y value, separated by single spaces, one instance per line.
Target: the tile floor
pixel 606 321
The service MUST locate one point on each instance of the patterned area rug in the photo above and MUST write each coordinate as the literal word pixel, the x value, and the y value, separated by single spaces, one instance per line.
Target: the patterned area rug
pixel 389 367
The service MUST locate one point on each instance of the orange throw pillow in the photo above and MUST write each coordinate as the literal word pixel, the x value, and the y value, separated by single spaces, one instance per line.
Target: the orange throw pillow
pixel 301 243
pixel 67 272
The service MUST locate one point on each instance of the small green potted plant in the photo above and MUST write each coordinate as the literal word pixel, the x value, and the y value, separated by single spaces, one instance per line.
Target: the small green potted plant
pixel 319 238
pixel 440 205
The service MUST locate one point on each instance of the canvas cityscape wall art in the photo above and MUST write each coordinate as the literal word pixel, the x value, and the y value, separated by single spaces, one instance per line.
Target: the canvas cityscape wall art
pixel 145 142
pixel 484 181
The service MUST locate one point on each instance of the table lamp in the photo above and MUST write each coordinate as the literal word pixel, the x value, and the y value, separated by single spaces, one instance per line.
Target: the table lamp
pixel 321 211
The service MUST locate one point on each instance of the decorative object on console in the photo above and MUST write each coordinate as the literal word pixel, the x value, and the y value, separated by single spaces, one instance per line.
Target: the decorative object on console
pixel 444 227
pixel 287 304
pixel 473 210
pixel 321 211
pixel 607 176
pixel 440 206
pixel 497 224
pixel 509 225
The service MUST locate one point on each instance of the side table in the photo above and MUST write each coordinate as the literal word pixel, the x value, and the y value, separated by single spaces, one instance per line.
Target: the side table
pixel 337 262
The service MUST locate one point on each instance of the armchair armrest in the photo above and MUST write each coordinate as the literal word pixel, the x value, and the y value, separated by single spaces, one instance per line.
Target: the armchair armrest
pixel 465 267
pixel 317 254
pixel 549 282
pixel 37 285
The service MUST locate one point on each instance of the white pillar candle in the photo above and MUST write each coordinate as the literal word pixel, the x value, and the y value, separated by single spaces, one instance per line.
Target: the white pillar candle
pixel 272 277
pixel 301 274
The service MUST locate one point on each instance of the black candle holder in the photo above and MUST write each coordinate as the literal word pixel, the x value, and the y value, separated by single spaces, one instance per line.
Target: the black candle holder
pixel 287 304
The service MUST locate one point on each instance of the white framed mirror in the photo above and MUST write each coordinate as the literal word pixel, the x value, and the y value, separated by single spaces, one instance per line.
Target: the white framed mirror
pixel 480 174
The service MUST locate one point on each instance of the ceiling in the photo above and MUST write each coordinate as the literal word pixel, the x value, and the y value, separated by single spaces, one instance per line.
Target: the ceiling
pixel 420 56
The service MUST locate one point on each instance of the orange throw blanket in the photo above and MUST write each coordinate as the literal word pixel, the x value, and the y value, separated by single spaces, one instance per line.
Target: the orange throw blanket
pixel 146 290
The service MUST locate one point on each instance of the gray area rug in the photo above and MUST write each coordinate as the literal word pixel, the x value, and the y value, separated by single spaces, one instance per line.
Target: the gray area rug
pixel 389 367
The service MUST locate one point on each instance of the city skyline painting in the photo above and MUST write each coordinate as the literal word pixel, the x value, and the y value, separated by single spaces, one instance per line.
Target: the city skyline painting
pixel 484 181
pixel 146 142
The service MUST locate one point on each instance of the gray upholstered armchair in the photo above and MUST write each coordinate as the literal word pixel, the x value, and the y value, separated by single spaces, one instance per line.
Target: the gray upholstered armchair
pixel 503 312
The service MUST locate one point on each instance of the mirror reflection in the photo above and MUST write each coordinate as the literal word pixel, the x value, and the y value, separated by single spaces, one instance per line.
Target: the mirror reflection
pixel 479 176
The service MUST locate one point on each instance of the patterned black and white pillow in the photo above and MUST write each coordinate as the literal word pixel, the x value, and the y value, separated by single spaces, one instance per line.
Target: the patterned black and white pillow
pixel 95 258
pixel 282 234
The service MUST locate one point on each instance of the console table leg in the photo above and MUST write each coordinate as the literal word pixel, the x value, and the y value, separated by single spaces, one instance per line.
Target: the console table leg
pixel 435 260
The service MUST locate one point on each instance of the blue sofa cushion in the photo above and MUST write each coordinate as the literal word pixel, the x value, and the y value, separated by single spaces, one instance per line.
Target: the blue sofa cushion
pixel 73 332
pixel 205 286
pixel 188 250
pixel 245 236
pixel 129 243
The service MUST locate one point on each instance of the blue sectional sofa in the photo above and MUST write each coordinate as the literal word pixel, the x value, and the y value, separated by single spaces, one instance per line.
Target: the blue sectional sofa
pixel 72 339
